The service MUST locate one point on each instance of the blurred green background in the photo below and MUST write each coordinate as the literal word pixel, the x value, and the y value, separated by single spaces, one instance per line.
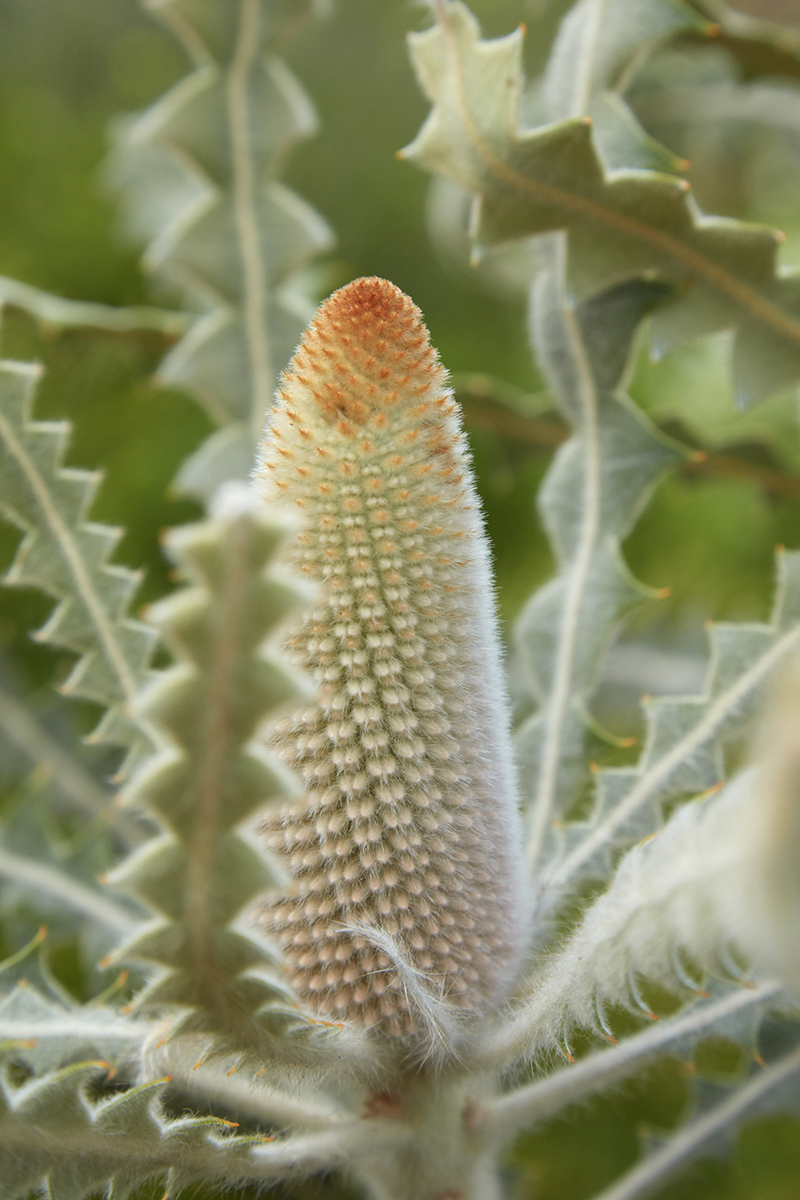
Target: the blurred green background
pixel 708 535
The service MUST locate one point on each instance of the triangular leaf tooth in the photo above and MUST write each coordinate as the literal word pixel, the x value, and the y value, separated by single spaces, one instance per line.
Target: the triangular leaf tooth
pixel 44 1034
pixel 740 1026
pixel 608 325
pixel 240 872
pixel 154 874
pixel 735 648
pixel 211 361
pixel 751 248
pixel 572 770
pixel 609 593
pixel 600 261
pixel 177 704
pixel 630 462
pixel 621 141
pixel 683 751
pixel 672 721
pixel 544 154
pixel 633 457
pixel 57 1098
pixel 154 186
pixel 599 480
pixel 120 1144
pixel 763 363
pixel 738 1014
pixel 225 455
pixel 205 560
pixel 613 786
pixel 534 633
pixel 166 785
pixel 149 775
pixel 423 48
pixel 255 779
pixel 182 619
pixel 169 119
pixel 194 118
pixel 205 248
pixel 131 1112
pixel 182 985
pixel 693 313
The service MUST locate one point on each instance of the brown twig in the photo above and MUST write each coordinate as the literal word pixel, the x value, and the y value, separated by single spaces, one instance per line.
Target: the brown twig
pixel 549 432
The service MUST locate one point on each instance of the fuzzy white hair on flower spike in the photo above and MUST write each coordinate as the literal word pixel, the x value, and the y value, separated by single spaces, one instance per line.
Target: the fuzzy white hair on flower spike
pixel 408 900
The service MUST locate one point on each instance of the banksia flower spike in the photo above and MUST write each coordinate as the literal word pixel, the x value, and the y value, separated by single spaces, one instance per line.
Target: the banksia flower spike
pixel 407 907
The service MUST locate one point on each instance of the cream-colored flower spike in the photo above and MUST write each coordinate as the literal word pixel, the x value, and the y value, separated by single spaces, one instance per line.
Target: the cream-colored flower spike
pixel 408 902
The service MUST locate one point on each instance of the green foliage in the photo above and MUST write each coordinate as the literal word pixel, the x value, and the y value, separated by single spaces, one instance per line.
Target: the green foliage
pixel 67 557
pixel 120 1142
pixel 579 190
pixel 628 223
pixel 597 485
pixel 207 777
pixel 198 172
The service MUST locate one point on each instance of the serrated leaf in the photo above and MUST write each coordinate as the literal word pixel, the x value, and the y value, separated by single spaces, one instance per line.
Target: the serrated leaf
pixel 209 776
pixel 66 556
pixel 52 1136
pixel 771 1090
pixel 677 893
pixel 45 1033
pixel 218 221
pixel 595 488
pixel 623 225
pixel 735 1014
pixel 683 748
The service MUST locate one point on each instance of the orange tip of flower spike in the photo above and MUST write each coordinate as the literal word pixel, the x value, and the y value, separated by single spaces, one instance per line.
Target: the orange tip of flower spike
pixel 366 350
